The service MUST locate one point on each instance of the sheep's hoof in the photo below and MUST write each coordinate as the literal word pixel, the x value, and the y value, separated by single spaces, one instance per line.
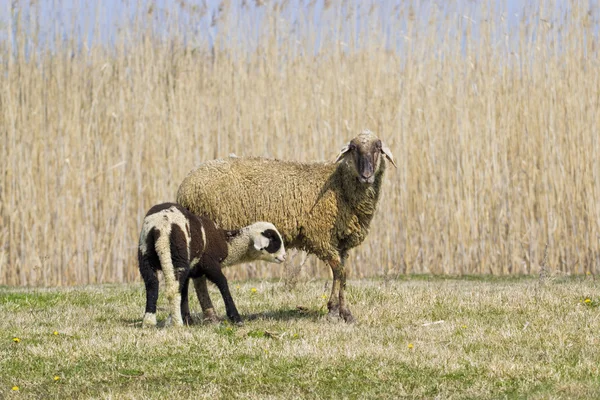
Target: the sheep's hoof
pixel 333 316
pixel 236 320
pixel 347 316
pixel 334 312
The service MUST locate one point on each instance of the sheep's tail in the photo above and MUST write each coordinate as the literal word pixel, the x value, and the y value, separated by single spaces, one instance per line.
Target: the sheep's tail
pixel 163 250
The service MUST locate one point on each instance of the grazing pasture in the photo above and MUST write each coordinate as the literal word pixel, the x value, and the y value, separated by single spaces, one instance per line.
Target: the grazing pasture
pixel 491 112
pixel 418 337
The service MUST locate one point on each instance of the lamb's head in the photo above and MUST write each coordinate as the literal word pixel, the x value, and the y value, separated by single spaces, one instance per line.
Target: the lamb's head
pixel 363 152
pixel 267 242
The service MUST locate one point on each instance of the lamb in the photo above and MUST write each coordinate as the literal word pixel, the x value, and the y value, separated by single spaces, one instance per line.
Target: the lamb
pixel 322 208
pixel 187 246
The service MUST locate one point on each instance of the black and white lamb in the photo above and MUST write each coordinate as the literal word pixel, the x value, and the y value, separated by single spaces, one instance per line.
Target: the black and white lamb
pixel 184 245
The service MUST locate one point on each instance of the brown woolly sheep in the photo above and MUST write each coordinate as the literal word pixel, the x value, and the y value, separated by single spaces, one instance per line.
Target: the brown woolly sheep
pixel 186 246
pixel 322 208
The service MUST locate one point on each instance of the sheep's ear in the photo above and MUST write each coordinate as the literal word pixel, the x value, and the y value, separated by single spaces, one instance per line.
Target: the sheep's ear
pixel 261 242
pixel 388 154
pixel 342 152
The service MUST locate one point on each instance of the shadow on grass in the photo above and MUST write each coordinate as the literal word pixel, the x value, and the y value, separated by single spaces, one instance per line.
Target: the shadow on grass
pixel 283 314
pixel 286 314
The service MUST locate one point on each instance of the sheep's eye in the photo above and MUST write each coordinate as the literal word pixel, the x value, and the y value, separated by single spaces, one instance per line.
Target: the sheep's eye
pixel 352 147
pixel 378 144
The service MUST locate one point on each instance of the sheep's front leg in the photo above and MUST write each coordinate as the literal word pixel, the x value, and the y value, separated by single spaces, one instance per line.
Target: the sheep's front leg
pixel 208 309
pixel 333 305
pixel 344 310
pixel 337 301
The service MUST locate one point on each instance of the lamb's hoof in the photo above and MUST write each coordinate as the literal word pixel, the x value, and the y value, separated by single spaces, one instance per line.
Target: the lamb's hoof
pixel 210 317
pixel 187 320
pixel 176 322
pixel 149 320
pixel 237 320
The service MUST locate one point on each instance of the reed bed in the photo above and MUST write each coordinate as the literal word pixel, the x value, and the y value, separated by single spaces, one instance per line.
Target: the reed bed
pixel 492 119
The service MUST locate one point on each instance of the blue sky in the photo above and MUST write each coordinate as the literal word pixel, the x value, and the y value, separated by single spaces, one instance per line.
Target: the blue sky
pixel 67 16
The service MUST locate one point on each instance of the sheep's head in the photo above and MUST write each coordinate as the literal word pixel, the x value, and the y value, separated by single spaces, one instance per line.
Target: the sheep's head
pixel 267 242
pixel 364 153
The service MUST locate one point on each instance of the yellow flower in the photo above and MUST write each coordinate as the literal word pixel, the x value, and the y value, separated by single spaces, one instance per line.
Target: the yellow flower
pixel 324 296
pixel 410 346
pixel 15 388
pixel 56 378
pixel 253 290
pixel 464 327
pixel 16 340
pixel 55 333
pixel 587 301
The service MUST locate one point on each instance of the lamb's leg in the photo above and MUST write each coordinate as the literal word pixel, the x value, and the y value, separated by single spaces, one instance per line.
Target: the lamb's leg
pixel 184 282
pixel 208 310
pixel 174 299
pixel 150 277
pixel 215 275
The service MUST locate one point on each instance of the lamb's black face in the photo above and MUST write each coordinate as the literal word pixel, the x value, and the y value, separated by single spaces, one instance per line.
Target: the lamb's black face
pixel 274 241
pixel 267 242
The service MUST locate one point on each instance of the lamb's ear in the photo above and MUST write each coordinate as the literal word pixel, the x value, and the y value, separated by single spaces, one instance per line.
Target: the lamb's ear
pixel 342 152
pixel 260 242
pixel 388 154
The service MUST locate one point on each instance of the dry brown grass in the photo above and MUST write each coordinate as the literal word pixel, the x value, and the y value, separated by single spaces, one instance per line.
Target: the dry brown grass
pixel 495 133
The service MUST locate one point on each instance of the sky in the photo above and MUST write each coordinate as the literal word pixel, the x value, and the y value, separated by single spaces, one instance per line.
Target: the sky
pixel 101 20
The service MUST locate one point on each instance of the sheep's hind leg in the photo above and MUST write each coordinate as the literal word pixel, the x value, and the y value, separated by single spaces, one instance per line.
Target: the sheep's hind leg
pixel 208 310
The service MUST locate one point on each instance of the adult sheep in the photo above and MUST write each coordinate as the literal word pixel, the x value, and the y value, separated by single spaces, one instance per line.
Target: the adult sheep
pixel 323 208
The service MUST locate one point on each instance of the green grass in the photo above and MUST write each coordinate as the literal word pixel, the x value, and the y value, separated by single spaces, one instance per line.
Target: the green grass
pixel 500 338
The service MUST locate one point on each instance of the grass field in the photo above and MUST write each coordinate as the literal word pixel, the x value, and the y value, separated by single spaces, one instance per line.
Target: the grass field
pixel 419 337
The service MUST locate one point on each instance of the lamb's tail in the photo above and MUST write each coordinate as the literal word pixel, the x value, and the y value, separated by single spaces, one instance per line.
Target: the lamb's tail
pixel 163 249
